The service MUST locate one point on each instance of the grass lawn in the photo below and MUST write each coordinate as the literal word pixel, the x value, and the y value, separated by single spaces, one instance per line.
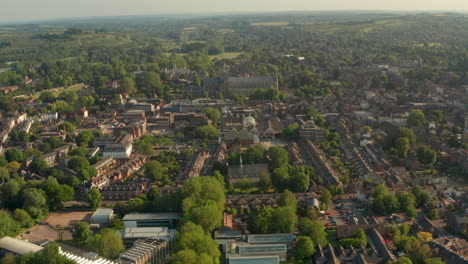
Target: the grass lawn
pixel 58 90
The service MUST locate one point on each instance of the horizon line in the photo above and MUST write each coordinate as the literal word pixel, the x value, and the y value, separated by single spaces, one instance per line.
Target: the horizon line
pixel 227 13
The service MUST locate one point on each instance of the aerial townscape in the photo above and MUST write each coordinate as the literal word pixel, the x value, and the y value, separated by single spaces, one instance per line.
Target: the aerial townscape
pixel 290 137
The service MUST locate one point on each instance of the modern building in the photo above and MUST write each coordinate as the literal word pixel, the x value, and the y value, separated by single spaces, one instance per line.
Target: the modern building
pixel 285 238
pixel 130 235
pixel 169 220
pixel 102 216
pixel 254 260
pixel 148 251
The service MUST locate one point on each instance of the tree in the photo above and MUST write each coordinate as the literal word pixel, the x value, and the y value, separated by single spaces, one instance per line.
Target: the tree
pixel 291 131
pixel 188 256
pixel 127 85
pixel 279 157
pixel 313 229
pixel 149 83
pixel 94 198
pixel 207 215
pixel 259 222
pixel 423 198
pixel 192 237
pixel 402 145
pixel 82 232
pixel 23 218
pixel 80 151
pixel 402 260
pixel 13 166
pixel 13 155
pixel 303 249
pixel 299 182
pixel 84 139
pixel 283 220
pixel 380 190
pixel 424 236
pixel 107 243
pixel 213 113
pixel 265 182
pixel 416 118
pixel 361 237
pixel 325 197
pixel 81 166
pixel 288 199
pixel 54 141
pixel 38 166
pixel 35 202
pixel 4 174
pixel 8 226
pixel 206 132
pixel 426 155
pixel 154 171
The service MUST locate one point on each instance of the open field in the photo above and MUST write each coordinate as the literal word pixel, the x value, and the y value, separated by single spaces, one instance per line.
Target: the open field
pixel 58 90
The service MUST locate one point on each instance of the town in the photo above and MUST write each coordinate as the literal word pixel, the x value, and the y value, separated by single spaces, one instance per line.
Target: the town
pixel 269 142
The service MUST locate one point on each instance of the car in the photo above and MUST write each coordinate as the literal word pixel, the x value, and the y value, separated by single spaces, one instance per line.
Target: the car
pixel 387 241
pixel 328 224
pixel 327 213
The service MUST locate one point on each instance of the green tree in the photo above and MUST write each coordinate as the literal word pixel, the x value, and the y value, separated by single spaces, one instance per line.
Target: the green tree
pixel 279 157
pixel 303 249
pixel 38 166
pixel 192 237
pixel 35 202
pixel 107 243
pixel 426 155
pixel 313 229
pixel 8 226
pixel 265 182
pixel 402 145
pixel 325 197
pixel 94 198
pixel 213 113
pixel 154 171
pixel 4 174
pixel 13 155
pixel 206 132
pixel 416 118
pixel 288 199
pixel 23 218
pixel 50 254
pixel 283 220
pixel 82 232
pixel 259 222
pixel 81 166
pixel 207 215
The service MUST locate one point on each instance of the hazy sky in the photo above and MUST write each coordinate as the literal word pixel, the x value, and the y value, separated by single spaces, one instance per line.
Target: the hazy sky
pixel 28 10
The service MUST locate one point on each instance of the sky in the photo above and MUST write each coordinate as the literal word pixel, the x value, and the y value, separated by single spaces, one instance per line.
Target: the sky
pixel 33 10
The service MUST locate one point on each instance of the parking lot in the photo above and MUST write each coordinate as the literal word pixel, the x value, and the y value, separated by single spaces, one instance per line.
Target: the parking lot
pixel 343 212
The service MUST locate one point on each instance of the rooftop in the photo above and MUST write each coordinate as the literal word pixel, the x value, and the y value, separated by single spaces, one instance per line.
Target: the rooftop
pixel 154 216
pixel 19 247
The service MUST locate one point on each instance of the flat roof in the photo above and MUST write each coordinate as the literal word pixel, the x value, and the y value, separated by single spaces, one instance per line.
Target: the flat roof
pixel 254 260
pixel 153 216
pixel 103 211
pixel 19 247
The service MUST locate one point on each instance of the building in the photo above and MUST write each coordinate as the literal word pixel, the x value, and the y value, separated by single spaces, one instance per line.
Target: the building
pixel 104 165
pixel 102 216
pixel 17 247
pixel 245 138
pixel 251 172
pixel 130 235
pixel 310 131
pixel 169 220
pixel 148 251
pixel 254 260
pixel 120 150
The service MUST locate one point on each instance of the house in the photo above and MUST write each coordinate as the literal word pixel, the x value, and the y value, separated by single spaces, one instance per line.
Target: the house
pixel 130 235
pixel 242 137
pixel 250 172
